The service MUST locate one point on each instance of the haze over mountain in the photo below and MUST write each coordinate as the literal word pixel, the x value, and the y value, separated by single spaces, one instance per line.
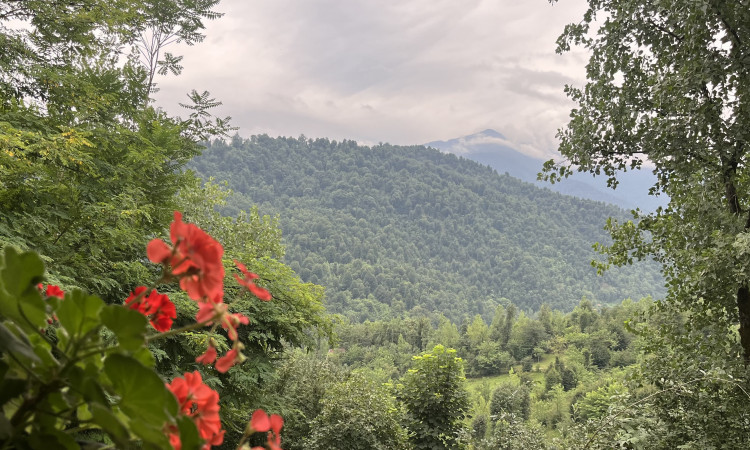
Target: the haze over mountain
pixel 393 230
pixel 492 148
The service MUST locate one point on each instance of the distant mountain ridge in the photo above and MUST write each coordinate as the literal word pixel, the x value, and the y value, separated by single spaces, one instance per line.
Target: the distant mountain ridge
pixel 492 148
pixel 391 230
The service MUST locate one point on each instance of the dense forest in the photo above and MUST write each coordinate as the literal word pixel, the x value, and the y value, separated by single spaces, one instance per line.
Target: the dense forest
pixel 389 229
pixel 144 307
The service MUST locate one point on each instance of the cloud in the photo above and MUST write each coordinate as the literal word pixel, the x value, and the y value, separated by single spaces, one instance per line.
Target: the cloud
pixel 386 70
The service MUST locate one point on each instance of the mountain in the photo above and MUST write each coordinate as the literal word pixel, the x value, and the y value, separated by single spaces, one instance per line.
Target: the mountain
pixel 492 148
pixel 410 230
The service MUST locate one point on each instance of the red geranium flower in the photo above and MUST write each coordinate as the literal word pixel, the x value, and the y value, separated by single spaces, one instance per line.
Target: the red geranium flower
pixel 227 361
pixel 195 257
pixel 260 422
pixel 156 306
pixel 51 290
pixel 174 437
pixel 209 312
pixel 257 291
pixel 201 403
pixel 230 322
pixel 208 356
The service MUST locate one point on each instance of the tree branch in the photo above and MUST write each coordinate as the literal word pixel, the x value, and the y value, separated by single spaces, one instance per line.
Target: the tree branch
pixel 665 30
pixel 728 28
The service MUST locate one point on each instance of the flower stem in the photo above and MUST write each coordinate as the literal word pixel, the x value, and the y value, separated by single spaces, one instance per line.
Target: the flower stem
pixel 191 327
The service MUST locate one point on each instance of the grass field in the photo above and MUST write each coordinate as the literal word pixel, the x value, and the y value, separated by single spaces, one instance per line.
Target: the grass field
pixel 484 385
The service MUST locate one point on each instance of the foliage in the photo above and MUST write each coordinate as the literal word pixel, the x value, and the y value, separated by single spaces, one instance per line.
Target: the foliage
pixel 296 317
pixel 89 187
pixel 79 147
pixel 701 396
pixel 434 396
pixel 358 414
pixel 413 227
pixel 302 382
pixel 71 363
pixel 595 404
pixel 511 433
pixel 511 398
pixel 668 88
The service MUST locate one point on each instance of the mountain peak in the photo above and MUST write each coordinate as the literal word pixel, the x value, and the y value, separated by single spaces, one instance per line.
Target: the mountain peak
pixel 489 133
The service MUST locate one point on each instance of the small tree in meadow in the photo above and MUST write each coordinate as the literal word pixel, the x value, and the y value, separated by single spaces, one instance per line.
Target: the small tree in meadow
pixel 434 395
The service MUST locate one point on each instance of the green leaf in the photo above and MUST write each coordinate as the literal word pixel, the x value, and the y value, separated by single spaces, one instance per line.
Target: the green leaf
pixel 43 350
pixel 83 413
pixel 19 298
pixel 50 408
pixel 106 419
pixel 53 440
pixel 11 388
pixel 142 393
pixel 189 436
pixel 86 386
pixel 150 433
pixel 20 271
pixel 144 356
pixel 5 427
pixel 79 313
pixel 128 325
pixel 11 343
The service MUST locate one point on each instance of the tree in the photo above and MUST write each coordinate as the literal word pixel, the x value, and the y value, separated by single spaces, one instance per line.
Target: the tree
pixel 510 398
pixel 84 163
pixel 669 90
pixel 446 334
pixel 301 382
pixel 434 395
pixel 511 433
pixel 172 21
pixel 358 414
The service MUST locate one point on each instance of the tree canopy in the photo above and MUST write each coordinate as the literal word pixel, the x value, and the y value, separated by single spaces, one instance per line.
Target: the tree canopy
pixel 391 229
pixel 669 90
pixel 84 162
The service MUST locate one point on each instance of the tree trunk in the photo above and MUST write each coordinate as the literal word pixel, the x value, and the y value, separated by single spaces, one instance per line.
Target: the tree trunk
pixel 743 306
pixel 743 293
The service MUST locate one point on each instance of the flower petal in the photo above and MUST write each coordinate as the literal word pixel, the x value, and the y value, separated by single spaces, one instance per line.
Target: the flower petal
pixel 227 361
pixel 208 356
pixel 158 251
pixel 259 421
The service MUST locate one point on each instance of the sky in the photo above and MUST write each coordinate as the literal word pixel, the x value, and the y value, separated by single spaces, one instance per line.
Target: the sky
pixel 398 71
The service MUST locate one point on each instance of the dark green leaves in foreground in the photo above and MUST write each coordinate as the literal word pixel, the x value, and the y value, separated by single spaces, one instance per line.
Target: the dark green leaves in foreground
pixel 128 325
pixel 19 299
pixel 64 348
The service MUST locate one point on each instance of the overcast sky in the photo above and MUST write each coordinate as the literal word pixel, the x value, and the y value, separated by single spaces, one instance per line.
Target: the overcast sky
pixel 397 71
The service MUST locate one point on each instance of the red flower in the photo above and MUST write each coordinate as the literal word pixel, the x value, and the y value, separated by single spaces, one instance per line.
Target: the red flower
pixel 51 290
pixel 230 322
pixel 260 422
pixel 195 257
pixel 257 291
pixel 209 312
pixel 156 306
pixel 201 403
pixel 208 356
pixel 227 361
pixel 274 443
pixel 174 438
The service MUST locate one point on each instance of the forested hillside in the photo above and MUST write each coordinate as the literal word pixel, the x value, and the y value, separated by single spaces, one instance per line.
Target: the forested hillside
pixel 389 228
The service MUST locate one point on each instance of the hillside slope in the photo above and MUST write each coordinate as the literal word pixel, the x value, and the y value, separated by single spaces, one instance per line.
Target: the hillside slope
pixel 410 229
